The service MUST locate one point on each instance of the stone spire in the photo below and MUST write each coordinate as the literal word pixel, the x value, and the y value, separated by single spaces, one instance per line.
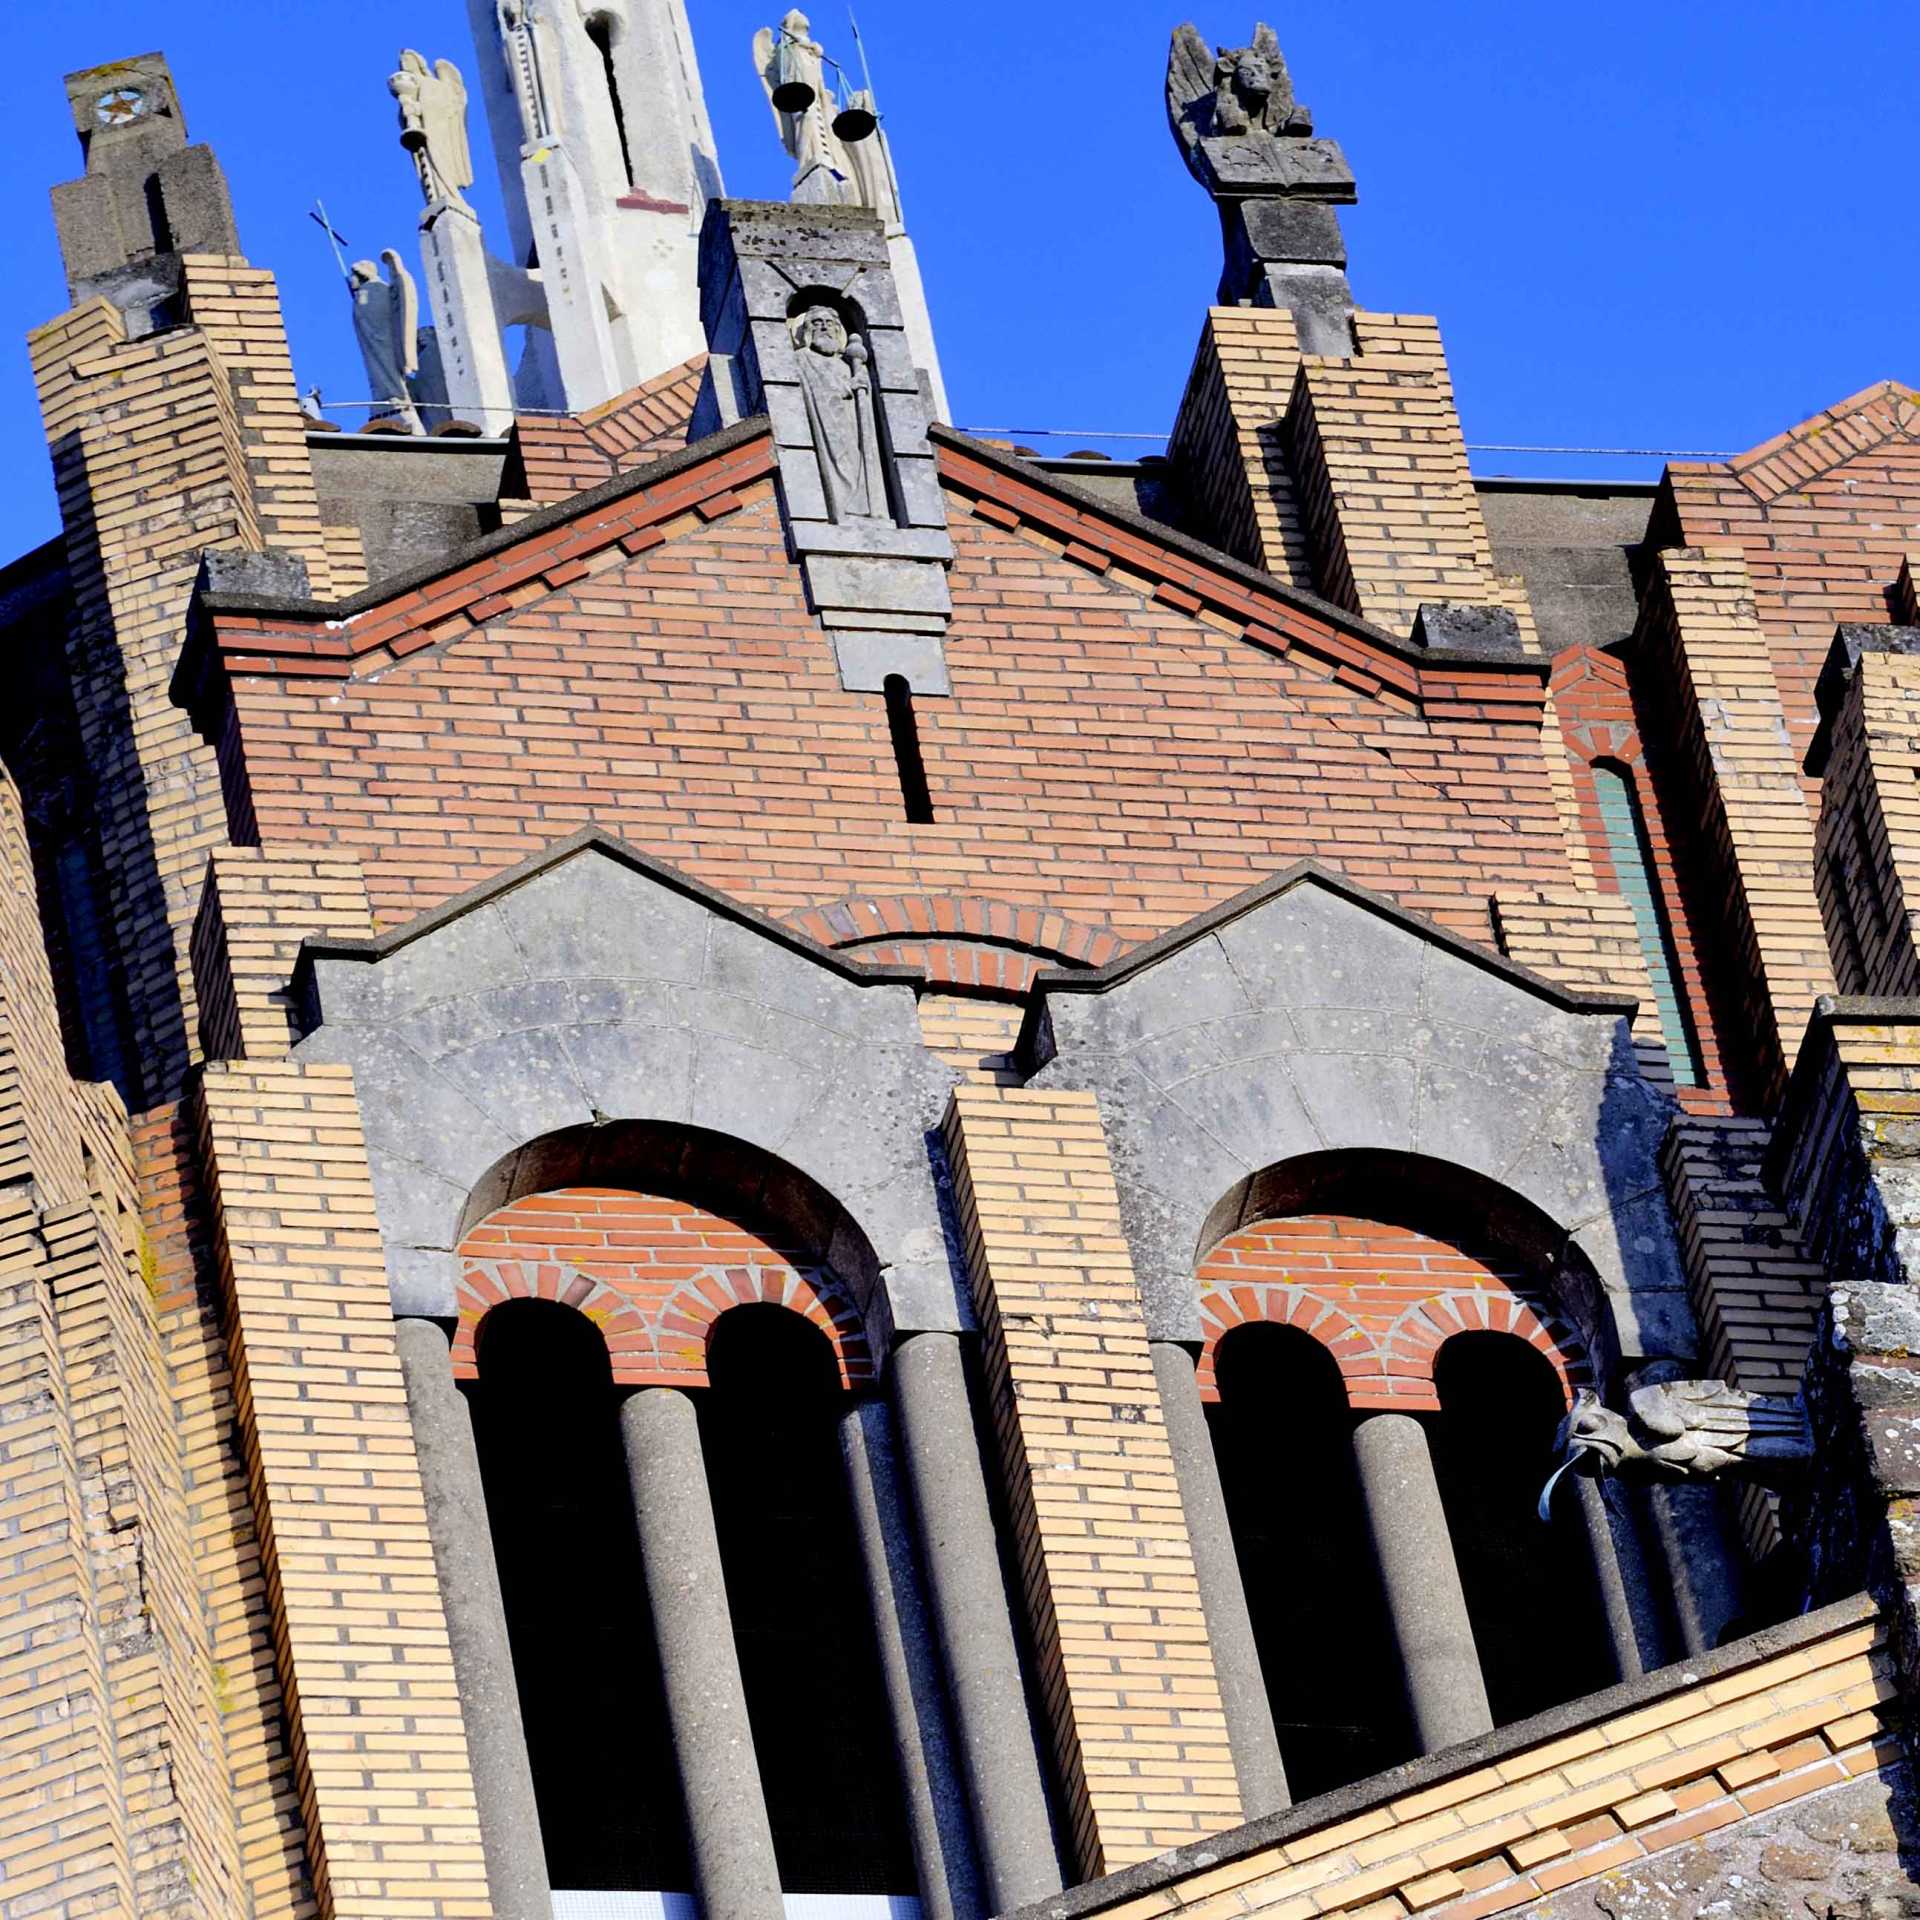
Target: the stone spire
pixel 1250 144
pixel 146 197
pixel 607 162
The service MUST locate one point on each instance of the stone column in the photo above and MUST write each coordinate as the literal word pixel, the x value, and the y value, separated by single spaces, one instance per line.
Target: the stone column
pixel 1701 1565
pixel 476 1624
pixel 999 1761
pixel 1446 1693
pixel 728 1834
pixel 910 1668
pixel 1620 1578
pixel 1223 1596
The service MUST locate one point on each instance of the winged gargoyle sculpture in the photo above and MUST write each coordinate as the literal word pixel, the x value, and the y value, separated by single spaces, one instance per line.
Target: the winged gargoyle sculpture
pixel 1241 95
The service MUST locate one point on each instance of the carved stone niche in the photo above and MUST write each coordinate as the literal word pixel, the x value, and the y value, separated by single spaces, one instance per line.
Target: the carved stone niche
pixel 804 323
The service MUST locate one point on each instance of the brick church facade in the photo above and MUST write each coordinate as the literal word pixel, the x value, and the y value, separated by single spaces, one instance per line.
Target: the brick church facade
pixel 758 1160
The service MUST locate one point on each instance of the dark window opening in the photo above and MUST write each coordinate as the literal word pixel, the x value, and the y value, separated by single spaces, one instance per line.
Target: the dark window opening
pixel 1631 851
pixel 808 1658
pixel 1530 1587
pixel 600 32
pixel 1282 1436
pixel 583 1654
pixel 157 219
pixel 904 726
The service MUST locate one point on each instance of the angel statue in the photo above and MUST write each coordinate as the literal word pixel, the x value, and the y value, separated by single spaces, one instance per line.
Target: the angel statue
pixel 836 381
pixel 433 125
pixel 1684 1430
pixel 827 169
pixel 386 319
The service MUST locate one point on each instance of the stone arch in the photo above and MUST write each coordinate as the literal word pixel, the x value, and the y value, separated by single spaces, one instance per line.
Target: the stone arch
pixel 654 1232
pixel 1501 1269
pixel 591 994
pixel 1310 1022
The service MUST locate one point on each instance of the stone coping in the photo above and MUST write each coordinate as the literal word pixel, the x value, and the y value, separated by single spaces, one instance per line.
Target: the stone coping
pixel 598 840
pixel 543 520
pixel 1156 532
pixel 1382 1789
pixel 1303 872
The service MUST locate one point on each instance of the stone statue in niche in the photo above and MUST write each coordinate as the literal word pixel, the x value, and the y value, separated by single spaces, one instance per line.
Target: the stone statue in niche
pixel 836 379
pixel 433 125
pixel 386 319
pixel 1685 1430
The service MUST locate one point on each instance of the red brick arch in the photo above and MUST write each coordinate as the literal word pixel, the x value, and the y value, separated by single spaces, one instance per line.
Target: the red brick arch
pixel 1383 1300
pixel 653 1273
pixel 960 939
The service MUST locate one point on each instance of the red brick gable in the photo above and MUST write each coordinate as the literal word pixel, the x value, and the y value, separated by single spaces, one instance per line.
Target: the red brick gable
pixel 567 455
pixel 1825 515
pixel 1135 733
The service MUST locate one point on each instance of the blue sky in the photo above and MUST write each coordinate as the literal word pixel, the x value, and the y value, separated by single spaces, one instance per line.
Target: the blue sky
pixel 1677 226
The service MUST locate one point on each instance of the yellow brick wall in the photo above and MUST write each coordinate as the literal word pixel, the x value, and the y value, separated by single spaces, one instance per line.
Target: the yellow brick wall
pixel 1699 614
pixel 256 907
pixel 1229 442
pixel 1381 476
pixel 379 1745
pixel 113 1792
pixel 223 1543
pixel 1125 1666
pixel 237 308
pixel 1756 1296
pixel 151 469
pixel 1575 1809
pixel 37 1139
pixel 1867 841
pixel 64 1842
pixel 975 1037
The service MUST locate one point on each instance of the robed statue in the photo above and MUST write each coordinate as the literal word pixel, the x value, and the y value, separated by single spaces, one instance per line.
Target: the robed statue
pixel 386 319
pixel 433 125
pixel 836 379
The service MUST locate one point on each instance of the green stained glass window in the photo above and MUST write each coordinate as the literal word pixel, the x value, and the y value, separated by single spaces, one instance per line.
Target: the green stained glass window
pixel 1632 854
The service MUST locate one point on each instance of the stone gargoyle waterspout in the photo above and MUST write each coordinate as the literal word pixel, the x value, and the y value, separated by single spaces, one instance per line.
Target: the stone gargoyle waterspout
pixel 1684 1430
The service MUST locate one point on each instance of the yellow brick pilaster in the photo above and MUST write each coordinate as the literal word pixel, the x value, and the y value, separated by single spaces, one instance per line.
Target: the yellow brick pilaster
pixel 257 906
pixel 380 1747
pixel 1701 607
pixel 1126 1669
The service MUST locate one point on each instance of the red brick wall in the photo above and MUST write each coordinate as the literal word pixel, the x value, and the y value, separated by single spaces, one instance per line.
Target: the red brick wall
pixel 1598 721
pixel 652 1273
pixel 1381 1299
pixel 1115 752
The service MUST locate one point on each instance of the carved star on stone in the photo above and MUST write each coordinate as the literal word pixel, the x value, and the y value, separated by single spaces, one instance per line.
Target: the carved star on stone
pixel 115 109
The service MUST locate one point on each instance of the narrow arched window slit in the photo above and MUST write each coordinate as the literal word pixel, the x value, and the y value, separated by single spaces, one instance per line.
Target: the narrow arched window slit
pixel 904 726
